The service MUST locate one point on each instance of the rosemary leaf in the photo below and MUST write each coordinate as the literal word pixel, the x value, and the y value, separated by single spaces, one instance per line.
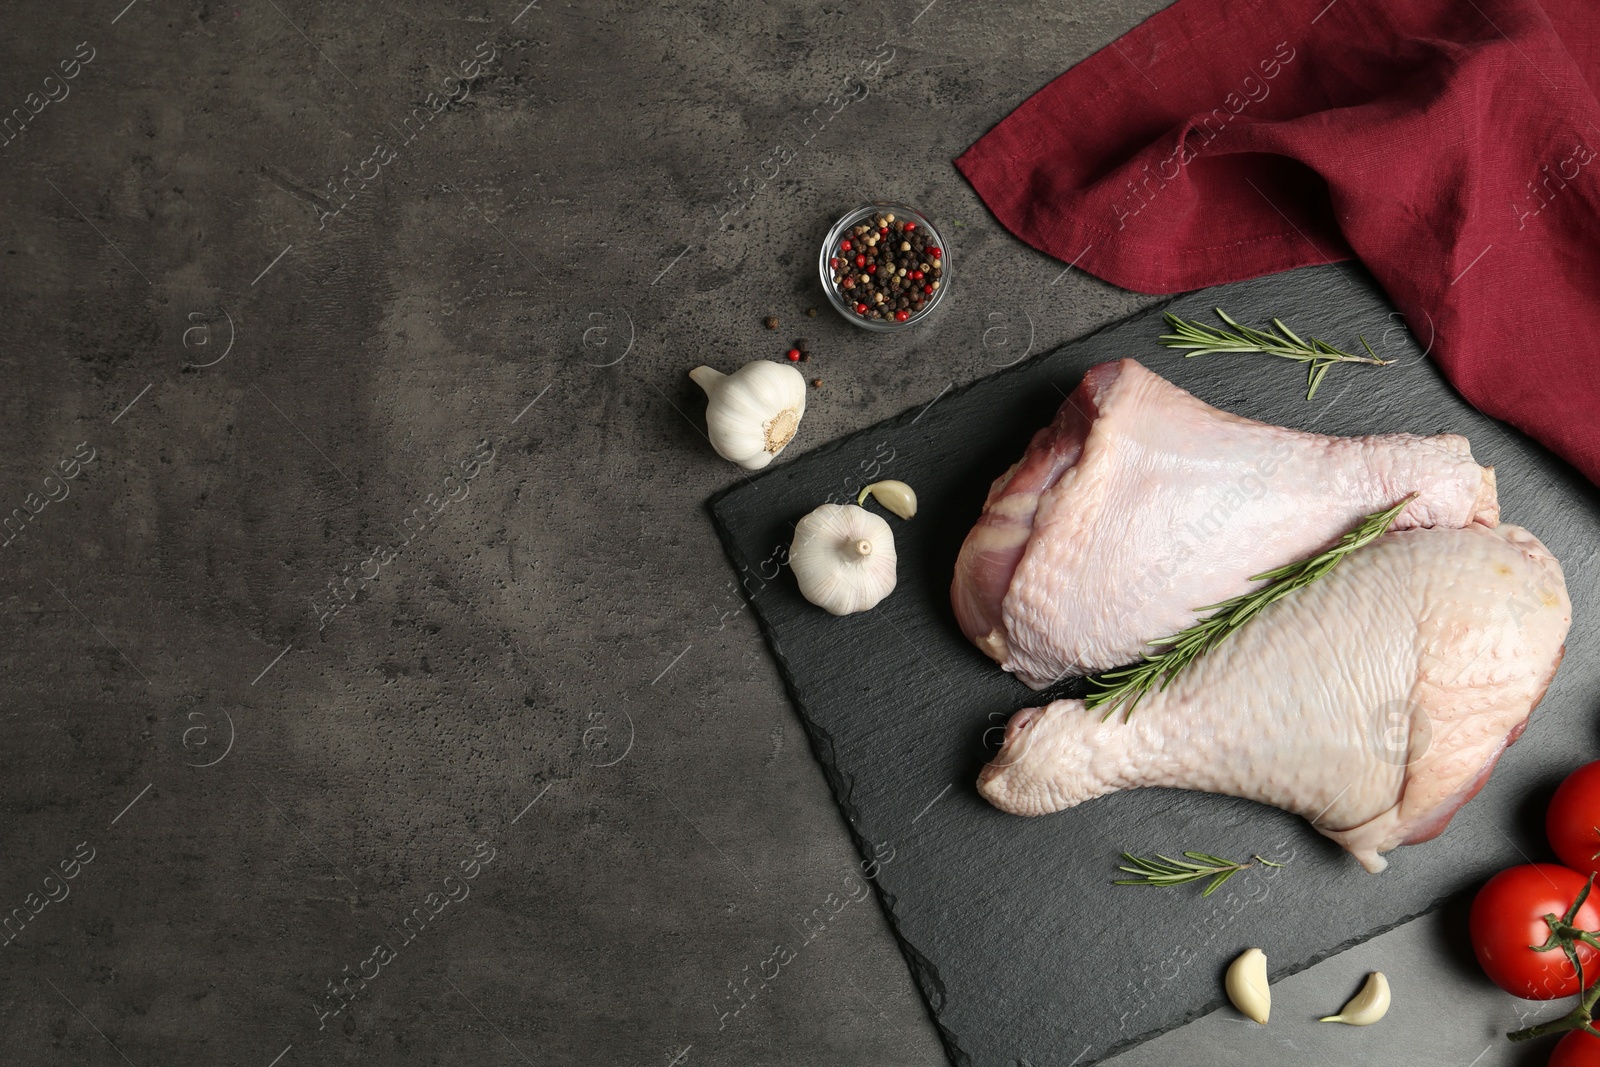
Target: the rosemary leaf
pixel 1164 871
pixel 1124 687
pixel 1197 339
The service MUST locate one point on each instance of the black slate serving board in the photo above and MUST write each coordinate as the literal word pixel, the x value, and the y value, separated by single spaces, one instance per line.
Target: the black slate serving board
pixel 1025 952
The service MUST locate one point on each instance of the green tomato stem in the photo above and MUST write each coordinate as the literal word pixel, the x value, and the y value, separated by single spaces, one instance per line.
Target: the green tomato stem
pixel 1565 936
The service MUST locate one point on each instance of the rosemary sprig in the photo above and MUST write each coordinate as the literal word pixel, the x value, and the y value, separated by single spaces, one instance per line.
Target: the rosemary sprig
pixel 1201 340
pixel 1128 685
pixel 1164 871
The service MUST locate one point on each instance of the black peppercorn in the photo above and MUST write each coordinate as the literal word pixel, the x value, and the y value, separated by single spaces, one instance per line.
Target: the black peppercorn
pixel 886 269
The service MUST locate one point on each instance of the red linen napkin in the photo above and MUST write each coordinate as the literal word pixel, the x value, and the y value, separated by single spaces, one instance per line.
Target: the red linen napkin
pixel 1451 145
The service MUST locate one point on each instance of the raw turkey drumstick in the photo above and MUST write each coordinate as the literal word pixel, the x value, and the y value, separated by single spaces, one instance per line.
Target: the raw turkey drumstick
pixel 1374 702
pixel 1140 504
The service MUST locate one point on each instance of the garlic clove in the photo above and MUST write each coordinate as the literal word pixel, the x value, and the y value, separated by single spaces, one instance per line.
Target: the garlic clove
pixel 1247 985
pixel 843 558
pixel 1367 1006
pixel 753 413
pixel 898 497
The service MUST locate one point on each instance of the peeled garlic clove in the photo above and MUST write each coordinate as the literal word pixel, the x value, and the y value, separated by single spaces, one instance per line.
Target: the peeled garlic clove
pixel 1367 1006
pixel 1247 985
pixel 898 497
pixel 754 412
pixel 843 557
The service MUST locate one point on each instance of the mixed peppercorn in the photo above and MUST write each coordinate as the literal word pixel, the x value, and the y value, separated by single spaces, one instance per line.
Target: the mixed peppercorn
pixel 885 268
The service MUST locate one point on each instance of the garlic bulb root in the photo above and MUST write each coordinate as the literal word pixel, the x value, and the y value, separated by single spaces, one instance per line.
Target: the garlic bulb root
pixel 1247 985
pixel 898 497
pixel 843 557
pixel 753 413
pixel 1367 1006
pixel 779 430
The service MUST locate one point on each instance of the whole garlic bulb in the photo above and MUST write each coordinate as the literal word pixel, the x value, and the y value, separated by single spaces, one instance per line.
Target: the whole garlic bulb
pixel 753 412
pixel 843 557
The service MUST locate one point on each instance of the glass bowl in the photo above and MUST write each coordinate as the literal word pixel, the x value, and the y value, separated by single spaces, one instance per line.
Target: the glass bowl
pixel 841 231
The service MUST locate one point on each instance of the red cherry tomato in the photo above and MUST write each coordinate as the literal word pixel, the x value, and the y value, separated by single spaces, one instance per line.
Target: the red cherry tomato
pixel 1508 919
pixel 1573 817
pixel 1577 1049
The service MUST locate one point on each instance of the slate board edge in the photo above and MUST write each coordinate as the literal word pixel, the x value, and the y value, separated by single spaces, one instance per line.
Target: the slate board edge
pixel 837 443
pixel 842 786
pixel 1272 977
pixel 922 970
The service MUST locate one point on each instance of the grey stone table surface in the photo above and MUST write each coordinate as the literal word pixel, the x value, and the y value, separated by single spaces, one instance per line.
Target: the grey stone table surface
pixel 364 628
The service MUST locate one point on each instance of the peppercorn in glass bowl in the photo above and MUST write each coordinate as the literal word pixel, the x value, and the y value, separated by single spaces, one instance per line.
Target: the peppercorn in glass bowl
pixel 884 266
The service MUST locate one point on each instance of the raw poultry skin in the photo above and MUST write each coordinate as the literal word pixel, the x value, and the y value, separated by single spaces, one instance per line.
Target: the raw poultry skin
pixel 1140 504
pixel 1374 702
